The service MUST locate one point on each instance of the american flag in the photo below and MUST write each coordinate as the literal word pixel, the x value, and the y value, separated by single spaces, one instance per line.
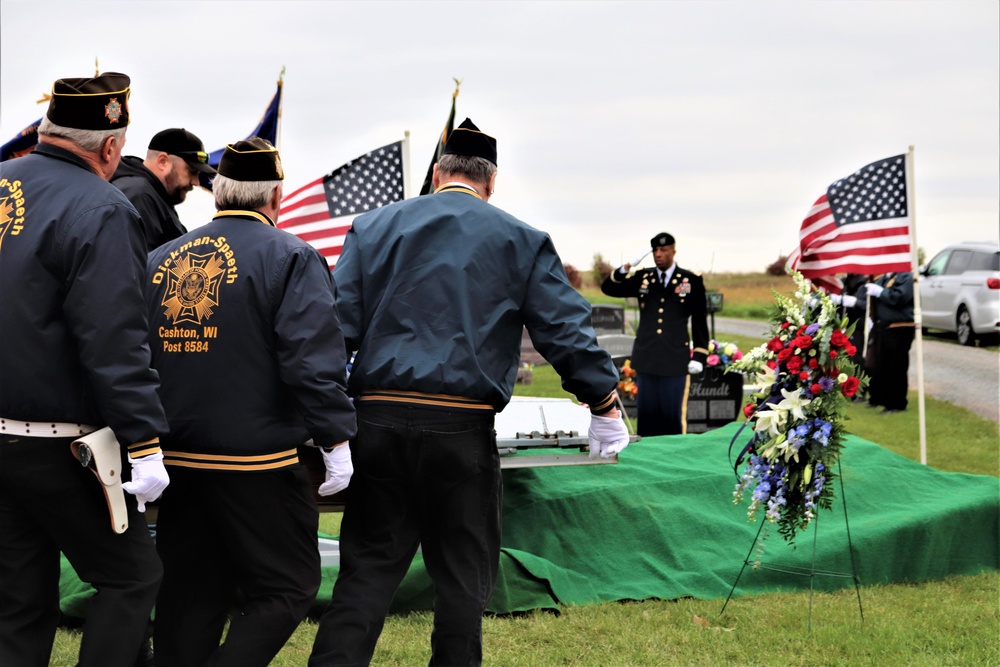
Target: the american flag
pixel 861 225
pixel 321 212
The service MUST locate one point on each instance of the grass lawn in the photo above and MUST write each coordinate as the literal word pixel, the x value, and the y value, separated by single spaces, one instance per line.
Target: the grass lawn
pixel 955 621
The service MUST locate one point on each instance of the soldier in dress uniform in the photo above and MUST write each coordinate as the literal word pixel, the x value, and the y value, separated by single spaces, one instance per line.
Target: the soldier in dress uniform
pixel 252 363
pixel 669 297
pixel 73 359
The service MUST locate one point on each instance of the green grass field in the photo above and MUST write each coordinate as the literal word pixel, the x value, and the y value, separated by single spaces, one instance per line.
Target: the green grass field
pixel 955 621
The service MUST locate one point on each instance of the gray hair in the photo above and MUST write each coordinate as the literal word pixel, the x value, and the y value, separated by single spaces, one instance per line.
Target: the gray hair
pixel 247 195
pixel 88 140
pixel 476 169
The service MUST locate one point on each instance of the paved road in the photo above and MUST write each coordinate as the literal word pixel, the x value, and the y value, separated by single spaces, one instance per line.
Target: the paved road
pixel 965 376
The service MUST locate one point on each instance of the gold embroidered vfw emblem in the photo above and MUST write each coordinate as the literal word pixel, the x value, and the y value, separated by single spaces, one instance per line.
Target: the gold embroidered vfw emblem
pixel 6 217
pixel 113 110
pixel 193 287
pixel 12 208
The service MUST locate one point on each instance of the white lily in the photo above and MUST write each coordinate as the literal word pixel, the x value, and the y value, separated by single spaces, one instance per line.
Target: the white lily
pixel 771 420
pixel 793 403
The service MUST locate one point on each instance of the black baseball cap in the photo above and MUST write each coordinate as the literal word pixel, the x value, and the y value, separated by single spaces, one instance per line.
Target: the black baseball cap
pixel 185 145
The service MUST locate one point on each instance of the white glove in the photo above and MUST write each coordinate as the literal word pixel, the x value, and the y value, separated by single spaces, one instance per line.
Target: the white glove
pixel 695 367
pixel 607 436
pixel 149 478
pixel 846 299
pixel 338 470
pixel 874 290
pixel 638 258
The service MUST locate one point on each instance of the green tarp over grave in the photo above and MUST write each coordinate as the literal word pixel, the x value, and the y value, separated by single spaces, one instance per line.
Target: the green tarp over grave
pixel 661 524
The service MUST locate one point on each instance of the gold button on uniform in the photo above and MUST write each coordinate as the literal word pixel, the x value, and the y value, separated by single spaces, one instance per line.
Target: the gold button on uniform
pixel 659 331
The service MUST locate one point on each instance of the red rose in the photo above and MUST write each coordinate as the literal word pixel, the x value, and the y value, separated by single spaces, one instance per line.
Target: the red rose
pixel 838 339
pixel 802 329
pixel 785 325
pixel 833 354
pixel 816 389
pixel 775 345
pixel 813 363
pixel 851 350
pixel 794 364
pixel 784 354
pixel 748 410
pixel 804 375
pixel 772 364
pixel 850 386
pixel 803 342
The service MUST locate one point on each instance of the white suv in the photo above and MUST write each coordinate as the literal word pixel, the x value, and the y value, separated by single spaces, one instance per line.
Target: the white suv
pixel 960 291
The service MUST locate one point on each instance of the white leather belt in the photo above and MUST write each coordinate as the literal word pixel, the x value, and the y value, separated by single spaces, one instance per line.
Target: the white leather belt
pixel 43 429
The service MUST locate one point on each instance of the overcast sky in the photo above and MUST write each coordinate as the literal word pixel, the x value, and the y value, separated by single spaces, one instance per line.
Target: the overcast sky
pixel 719 122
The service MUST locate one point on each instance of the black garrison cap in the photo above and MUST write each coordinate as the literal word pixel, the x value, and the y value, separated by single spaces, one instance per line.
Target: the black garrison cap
pixel 252 159
pixel 468 140
pixel 98 103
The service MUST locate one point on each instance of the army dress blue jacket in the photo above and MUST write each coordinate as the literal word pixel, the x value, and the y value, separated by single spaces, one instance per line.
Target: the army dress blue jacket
pixel 662 345
pixel 72 320
pixel 245 335
pixel 435 292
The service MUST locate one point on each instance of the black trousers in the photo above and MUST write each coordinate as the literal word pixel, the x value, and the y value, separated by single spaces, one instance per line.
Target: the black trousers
pixel 888 385
pixel 50 503
pixel 224 535
pixel 661 404
pixel 421 477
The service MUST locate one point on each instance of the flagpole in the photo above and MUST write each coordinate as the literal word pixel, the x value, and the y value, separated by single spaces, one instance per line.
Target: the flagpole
pixel 281 101
pixel 406 164
pixel 917 314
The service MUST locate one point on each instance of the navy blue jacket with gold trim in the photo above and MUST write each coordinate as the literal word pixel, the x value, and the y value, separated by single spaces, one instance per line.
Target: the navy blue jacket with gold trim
pixel 662 344
pixel 72 321
pixel 245 335
pixel 434 294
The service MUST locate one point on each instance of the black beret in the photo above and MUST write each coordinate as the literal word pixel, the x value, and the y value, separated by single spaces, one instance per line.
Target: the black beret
pixel 185 145
pixel 466 139
pixel 99 103
pixel 661 239
pixel 252 159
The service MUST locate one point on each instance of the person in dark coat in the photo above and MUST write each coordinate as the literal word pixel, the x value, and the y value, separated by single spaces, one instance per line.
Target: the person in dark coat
pixel 175 160
pixel 248 344
pixel 434 294
pixel 74 359
pixel 891 299
pixel 670 298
